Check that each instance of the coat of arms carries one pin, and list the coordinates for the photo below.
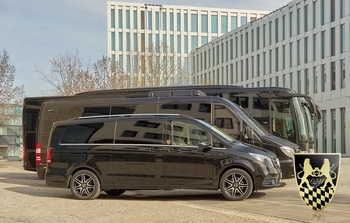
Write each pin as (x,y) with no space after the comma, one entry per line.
(316,175)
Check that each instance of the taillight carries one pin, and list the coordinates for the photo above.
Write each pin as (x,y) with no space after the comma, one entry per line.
(48,156)
(37,153)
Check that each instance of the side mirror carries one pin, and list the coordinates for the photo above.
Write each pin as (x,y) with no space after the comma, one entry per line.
(204,145)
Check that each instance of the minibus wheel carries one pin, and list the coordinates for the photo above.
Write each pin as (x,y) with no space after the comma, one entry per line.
(85,185)
(115,192)
(236,184)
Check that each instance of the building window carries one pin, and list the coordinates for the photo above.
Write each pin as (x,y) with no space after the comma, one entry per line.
(270,61)
(314,46)
(342,129)
(113,41)
(135,42)
(214,24)
(270,33)
(135,19)
(276,59)
(306,49)
(323,78)
(298,21)
(306,19)
(204,23)
(264,35)
(224,24)
(276,30)
(171,21)
(233,22)
(247,69)
(204,40)
(194,42)
(186,44)
(178,21)
(120,40)
(185,22)
(315,80)
(333,41)
(334,131)
(284,80)
(324,130)
(291,80)
(298,52)
(246,42)
(284,27)
(333,76)
(243,19)
(323,44)
(120,18)
(290,24)
(178,43)
(194,22)
(332,10)
(314,15)
(112,18)
(299,81)
(342,8)
(342,38)
(164,20)
(231,49)
(342,67)
(290,55)
(258,38)
(284,57)
(306,83)
(128,41)
(258,65)
(322,12)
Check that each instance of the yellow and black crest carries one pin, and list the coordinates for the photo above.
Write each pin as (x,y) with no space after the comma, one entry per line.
(316,175)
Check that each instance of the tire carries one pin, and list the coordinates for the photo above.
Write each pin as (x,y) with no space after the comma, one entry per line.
(115,192)
(85,185)
(236,184)
(40,172)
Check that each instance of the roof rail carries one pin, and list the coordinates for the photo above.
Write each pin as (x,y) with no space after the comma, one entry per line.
(172,93)
(126,115)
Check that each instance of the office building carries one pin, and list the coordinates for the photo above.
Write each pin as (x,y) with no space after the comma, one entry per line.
(304,46)
(135,29)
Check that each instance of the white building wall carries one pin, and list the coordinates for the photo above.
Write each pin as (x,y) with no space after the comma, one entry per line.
(120,54)
(288,48)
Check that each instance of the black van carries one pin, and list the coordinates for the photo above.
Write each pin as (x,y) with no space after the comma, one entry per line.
(154,151)
(220,112)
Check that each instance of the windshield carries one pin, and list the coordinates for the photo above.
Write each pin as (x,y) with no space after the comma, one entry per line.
(218,131)
(250,120)
(300,116)
(282,123)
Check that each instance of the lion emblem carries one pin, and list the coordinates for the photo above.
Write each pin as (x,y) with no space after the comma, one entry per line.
(322,176)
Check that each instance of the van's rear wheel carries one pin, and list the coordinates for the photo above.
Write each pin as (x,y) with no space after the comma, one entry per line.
(85,185)
(115,192)
(236,184)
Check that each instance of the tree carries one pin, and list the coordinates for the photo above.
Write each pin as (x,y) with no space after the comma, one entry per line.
(68,75)
(158,65)
(10,95)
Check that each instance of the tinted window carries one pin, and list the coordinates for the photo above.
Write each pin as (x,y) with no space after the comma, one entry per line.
(187,134)
(140,132)
(261,103)
(31,117)
(242,101)
(177,106)
(89,133)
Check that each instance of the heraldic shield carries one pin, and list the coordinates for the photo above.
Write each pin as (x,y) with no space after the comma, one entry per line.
(316,175)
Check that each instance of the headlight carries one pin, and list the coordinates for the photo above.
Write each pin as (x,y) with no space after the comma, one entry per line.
(261,158)
(288,151)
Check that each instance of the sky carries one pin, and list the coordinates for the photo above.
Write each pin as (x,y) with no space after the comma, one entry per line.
(36,31)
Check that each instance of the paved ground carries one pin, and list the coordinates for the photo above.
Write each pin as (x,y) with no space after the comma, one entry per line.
(24,198)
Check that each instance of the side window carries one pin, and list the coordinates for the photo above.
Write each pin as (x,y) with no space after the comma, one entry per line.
(89,133)
(184,133)
(140,132)
(226,120)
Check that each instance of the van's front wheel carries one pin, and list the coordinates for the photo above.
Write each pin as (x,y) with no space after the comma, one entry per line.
(236,184)
(85,185)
